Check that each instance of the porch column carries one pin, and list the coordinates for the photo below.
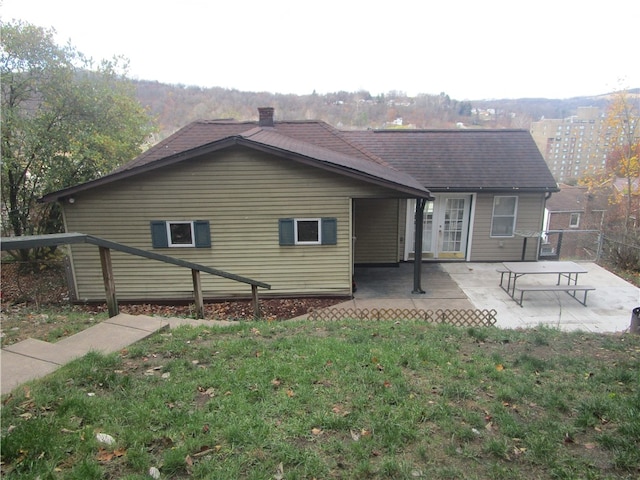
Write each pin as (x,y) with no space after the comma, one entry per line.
(417,260)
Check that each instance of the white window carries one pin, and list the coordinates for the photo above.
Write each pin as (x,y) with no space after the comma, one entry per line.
(307,231)
(574,220)
(180,234)
(503,220)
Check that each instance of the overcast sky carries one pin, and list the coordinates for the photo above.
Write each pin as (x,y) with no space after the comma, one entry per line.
(468,49)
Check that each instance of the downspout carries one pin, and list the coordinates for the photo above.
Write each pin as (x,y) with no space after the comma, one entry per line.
(417,261)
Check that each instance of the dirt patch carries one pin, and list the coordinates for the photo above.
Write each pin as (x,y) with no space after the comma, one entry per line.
(34,304)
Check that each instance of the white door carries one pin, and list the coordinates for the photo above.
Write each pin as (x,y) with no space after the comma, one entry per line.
(445,227)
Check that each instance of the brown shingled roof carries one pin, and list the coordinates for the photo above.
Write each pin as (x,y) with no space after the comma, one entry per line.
(311,142)
(462,160)
(576,199)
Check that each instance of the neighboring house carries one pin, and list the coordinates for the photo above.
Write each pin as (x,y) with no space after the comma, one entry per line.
(574,212)
(297,203)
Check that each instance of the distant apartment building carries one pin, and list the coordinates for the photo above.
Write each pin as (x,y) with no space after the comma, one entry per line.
(573,146)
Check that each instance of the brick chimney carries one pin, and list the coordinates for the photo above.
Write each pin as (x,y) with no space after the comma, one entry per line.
(265,116)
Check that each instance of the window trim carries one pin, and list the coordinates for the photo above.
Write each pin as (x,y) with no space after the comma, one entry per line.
(170,243)
(575,224)
(295,231)
(514,215)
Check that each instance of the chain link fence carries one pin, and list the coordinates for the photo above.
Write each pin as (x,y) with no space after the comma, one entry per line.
(571,245)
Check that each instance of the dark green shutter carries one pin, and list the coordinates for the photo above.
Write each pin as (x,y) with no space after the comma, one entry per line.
(329,231)
(159,234)
(286,231)
(202,233)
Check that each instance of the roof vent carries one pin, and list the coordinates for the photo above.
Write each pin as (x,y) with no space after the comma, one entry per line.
(265,116)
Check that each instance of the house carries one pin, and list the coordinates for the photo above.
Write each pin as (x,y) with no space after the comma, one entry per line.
(297,203)
(572,217)
(489,189)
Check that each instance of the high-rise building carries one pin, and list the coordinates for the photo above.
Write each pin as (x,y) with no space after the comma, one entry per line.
(575,145)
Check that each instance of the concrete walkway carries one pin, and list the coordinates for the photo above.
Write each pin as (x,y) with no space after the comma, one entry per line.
(31,359)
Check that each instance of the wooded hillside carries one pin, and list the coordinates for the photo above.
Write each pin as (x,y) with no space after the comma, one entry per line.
(174,106)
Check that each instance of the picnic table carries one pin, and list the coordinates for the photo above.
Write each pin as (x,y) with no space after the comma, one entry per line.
(568,270)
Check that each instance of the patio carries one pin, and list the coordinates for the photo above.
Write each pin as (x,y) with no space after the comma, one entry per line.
(477,285)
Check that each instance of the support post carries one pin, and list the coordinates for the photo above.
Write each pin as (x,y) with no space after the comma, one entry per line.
(559,243)
(255,302)
(417,261)
(197,293)
(109,282)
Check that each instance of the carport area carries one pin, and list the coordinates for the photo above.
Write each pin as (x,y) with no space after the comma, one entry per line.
(477,286)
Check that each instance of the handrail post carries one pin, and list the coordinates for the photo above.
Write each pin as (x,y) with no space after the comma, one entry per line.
(256,303)
(197,293)
(109,282)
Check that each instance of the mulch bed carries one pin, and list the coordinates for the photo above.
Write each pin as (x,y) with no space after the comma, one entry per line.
(47,286)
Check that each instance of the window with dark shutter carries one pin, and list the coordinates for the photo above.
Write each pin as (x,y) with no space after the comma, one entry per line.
(169,234)
(308,231)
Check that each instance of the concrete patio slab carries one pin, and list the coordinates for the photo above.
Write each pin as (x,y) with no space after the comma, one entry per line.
(608,307)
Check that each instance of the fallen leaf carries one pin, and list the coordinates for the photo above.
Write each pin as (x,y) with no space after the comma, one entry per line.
(104,455)
(276,382)
(316,431)
(589,446)
(291,393)
(499,367)
(188,460)
(355,435)
(154,473)
(387,384)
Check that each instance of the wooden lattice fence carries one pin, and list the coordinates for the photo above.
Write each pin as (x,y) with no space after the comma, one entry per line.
(457,317)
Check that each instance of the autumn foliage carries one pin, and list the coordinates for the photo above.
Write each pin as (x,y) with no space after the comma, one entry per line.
(619,180)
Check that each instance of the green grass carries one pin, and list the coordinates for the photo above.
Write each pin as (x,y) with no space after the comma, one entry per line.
(349,399)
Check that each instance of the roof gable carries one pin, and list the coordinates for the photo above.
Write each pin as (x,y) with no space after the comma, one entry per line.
(313,143)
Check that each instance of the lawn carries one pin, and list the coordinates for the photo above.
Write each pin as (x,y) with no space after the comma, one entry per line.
(349,399)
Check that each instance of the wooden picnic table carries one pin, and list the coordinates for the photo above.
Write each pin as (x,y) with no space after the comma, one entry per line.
(568,270)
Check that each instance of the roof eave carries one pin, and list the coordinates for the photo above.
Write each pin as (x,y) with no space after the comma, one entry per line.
(544,189)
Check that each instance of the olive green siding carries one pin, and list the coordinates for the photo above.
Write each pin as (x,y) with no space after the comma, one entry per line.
(376,231)
(529,215)
(402,230)
(243,194)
